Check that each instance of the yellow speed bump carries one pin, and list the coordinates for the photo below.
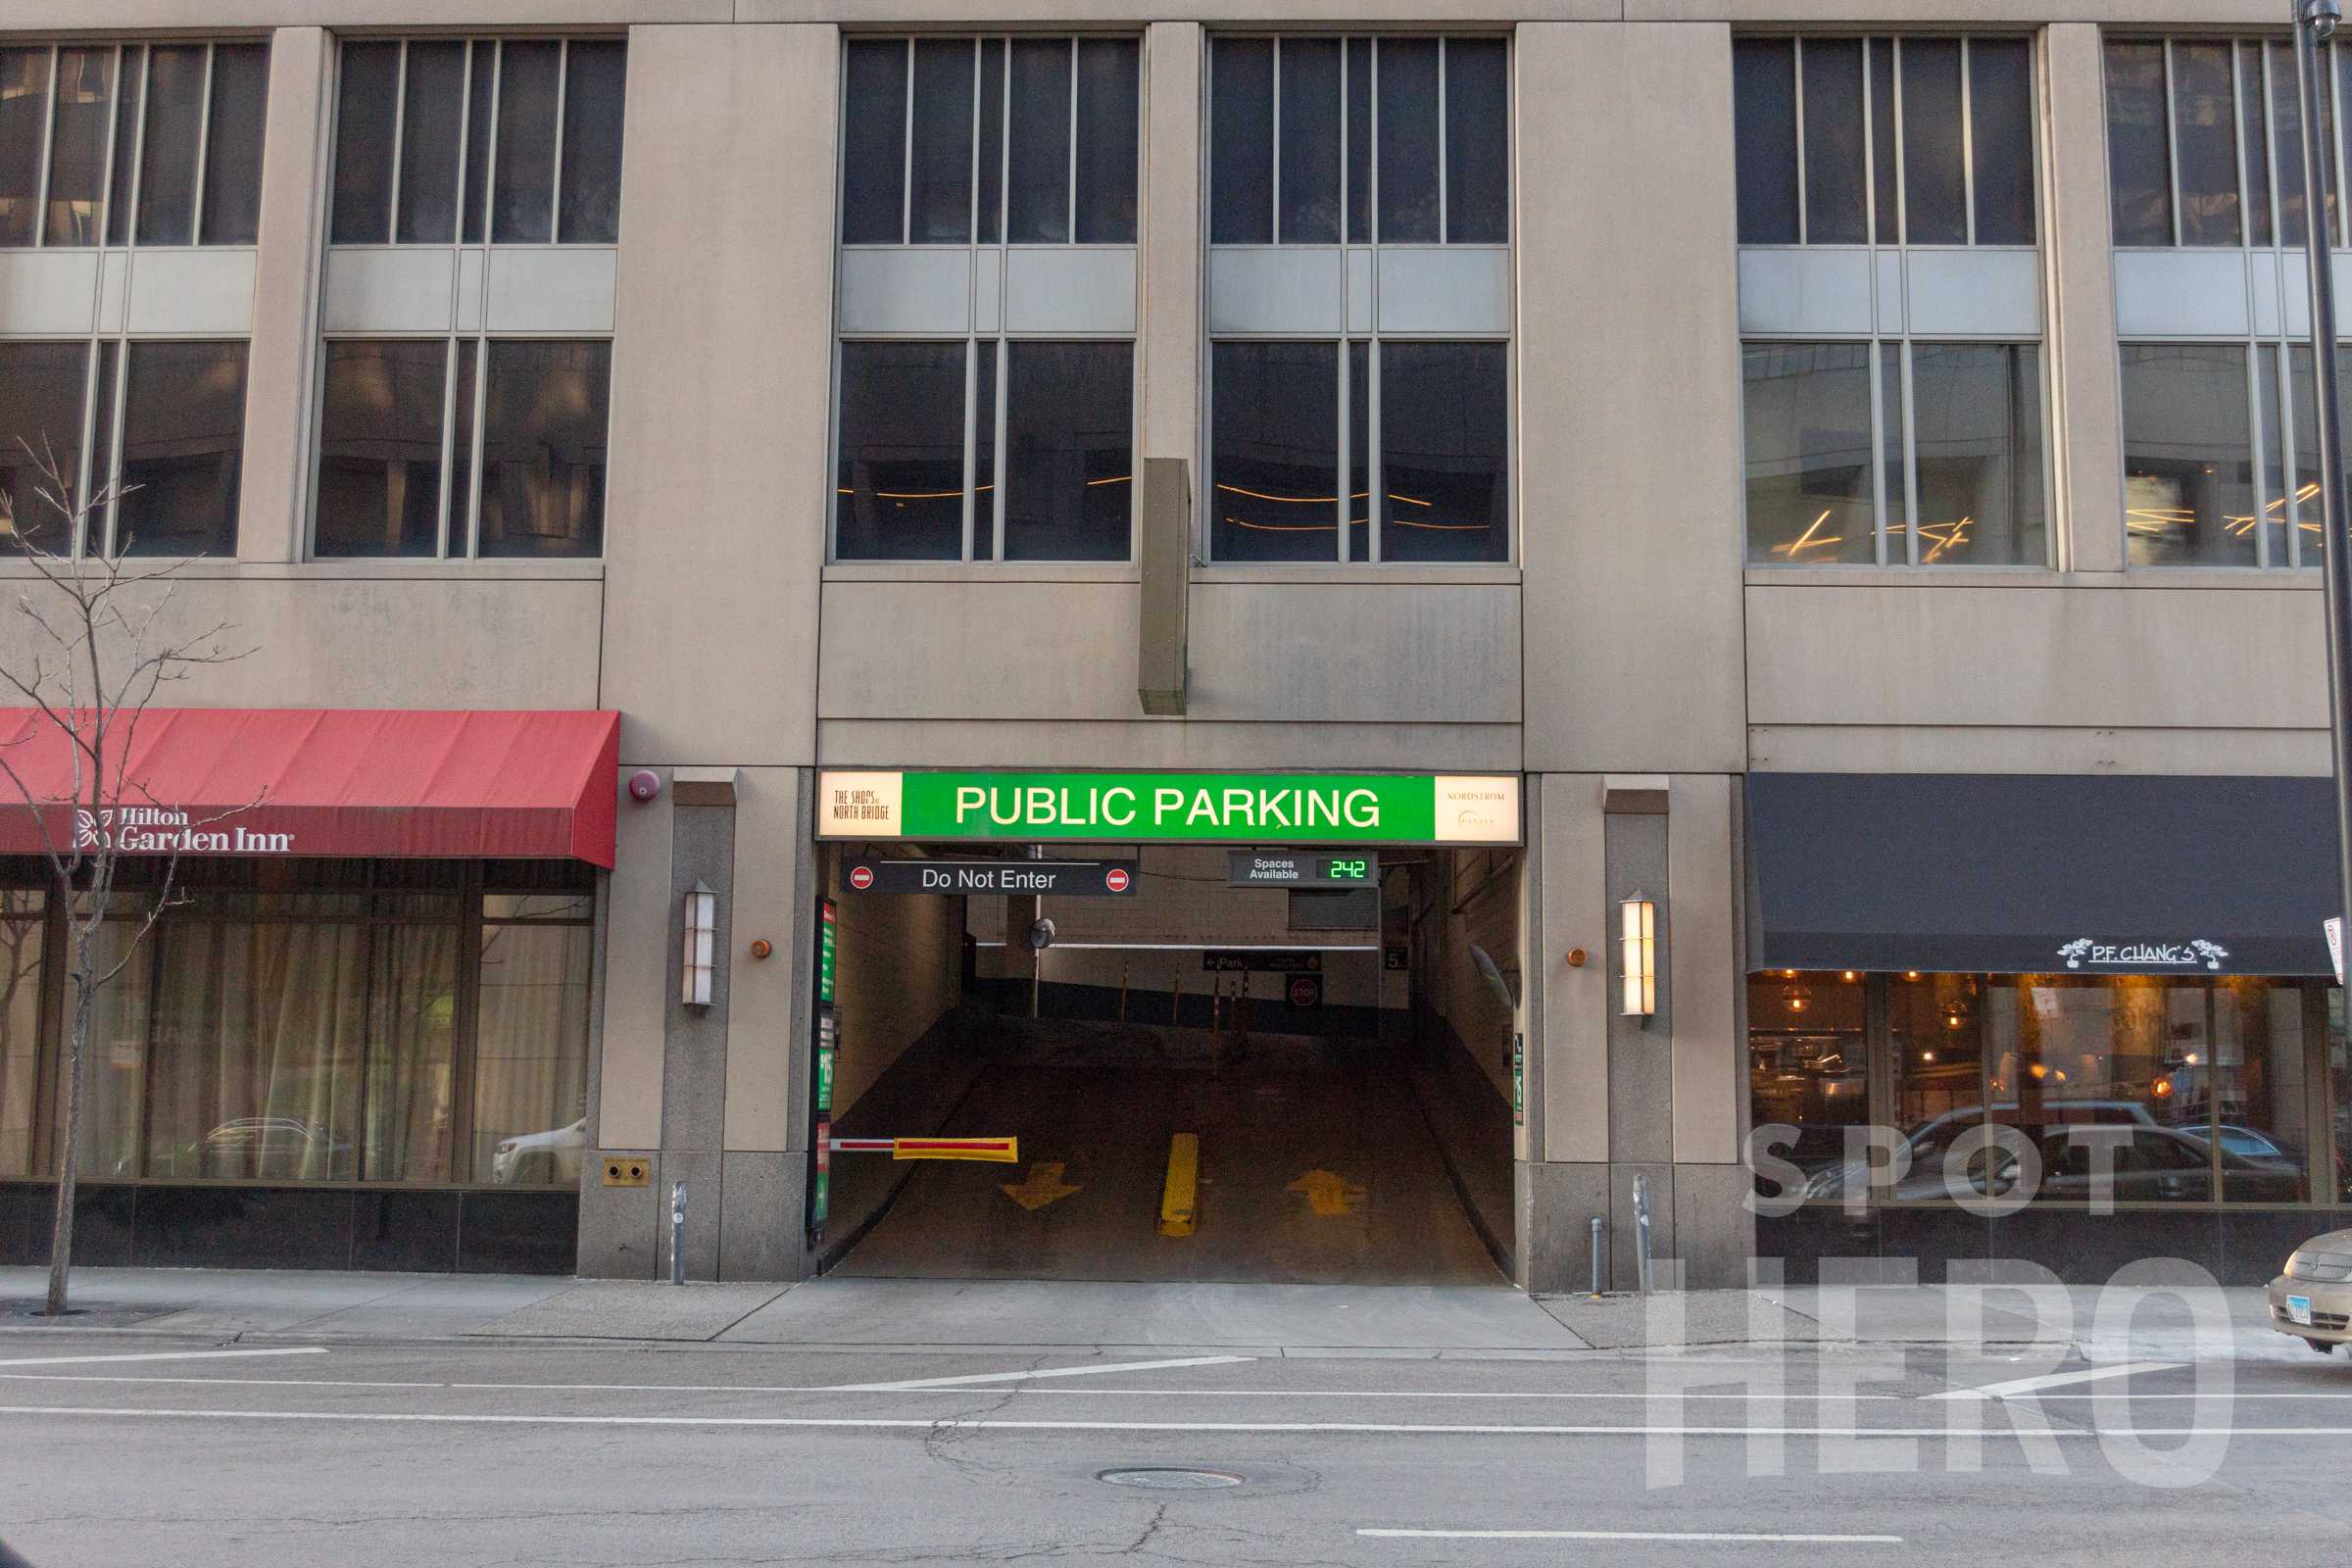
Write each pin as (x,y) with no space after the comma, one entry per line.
(1180,1199)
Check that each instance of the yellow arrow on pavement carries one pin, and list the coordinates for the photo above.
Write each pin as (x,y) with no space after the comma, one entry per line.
(1043,1186)
(1328,1191)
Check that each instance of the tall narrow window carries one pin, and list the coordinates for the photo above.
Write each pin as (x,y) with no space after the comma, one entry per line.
(1385,442)
(481,442)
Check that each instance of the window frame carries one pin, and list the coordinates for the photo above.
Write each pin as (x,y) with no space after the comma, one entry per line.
(971,556)
(126,51)
(1375,558)
(978,39)
(470,885)
(1375,471)
(1881,520)
(449,547)
(2294,526)
(1867,36)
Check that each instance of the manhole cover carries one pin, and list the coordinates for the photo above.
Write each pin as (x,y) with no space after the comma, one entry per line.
(1171,1480)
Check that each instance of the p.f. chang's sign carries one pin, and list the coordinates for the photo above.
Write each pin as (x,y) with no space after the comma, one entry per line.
(161,830)
(2141,958)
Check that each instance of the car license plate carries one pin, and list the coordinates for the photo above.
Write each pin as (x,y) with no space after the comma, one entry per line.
(2298,1309)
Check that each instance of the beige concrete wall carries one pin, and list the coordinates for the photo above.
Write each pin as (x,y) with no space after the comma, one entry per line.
(1704,970)
(1285,652)
(1168,231)
(637,977)
(311,640)
(715,526)
(2087,405)
(1576,1001)
(1168,744)
(2145,655)
(761,1053)
(273,496)
(1629,387)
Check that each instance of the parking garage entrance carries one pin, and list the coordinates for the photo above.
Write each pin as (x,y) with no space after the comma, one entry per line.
(1288,1062)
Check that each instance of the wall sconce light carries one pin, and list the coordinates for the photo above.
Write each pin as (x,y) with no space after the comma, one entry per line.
(1637,944)
(702,946)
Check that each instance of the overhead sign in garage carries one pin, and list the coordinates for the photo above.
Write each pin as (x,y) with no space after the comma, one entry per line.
(1172,808)
(1064,879)
(1261,960)
(1300,868)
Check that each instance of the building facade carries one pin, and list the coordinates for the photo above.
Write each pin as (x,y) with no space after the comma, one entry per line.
(916,423)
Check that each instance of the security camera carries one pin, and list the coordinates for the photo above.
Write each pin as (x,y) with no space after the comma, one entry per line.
(1041,936)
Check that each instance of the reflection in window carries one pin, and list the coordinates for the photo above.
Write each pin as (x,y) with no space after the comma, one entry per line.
(545,411)
(183,442)
(2217,158)
(20,930)
(44,397)
(312,1033)
(380,448)
(2129,1089)
(1957,479)
(186,117)
(1064,451)
(2188,462)
(1444,418)
(1963,139)
(1274,452)
(1809,454)
(424,108)
(1068,450)
(1428,432)
(899,494)
(1435,168)
(908,108)
(1807,1061)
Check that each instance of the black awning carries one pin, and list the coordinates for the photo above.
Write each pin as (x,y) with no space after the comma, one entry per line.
(2039,875)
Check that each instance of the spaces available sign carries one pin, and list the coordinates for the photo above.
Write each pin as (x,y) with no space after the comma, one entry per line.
(1172,808)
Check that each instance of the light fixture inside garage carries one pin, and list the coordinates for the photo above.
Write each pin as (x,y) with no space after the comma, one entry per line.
(1638,945)
(700,969)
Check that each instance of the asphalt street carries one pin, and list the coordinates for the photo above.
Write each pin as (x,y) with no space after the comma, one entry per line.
(191,1452)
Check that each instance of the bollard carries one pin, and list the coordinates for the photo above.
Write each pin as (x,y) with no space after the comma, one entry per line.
(677,1232)
(1596,1228)
(1642,1227)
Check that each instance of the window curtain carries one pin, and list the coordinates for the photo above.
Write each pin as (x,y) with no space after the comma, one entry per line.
(257,1044)
(532,1053)
(20,1027)
(412,1052)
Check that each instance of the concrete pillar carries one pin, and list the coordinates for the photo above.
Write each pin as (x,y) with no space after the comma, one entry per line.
(620,1225)
(1168,240)
(274,499)
(2085,407)
(765,1164)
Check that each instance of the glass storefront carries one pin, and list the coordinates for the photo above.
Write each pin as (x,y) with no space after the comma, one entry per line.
(413,1022)
(2123,1089)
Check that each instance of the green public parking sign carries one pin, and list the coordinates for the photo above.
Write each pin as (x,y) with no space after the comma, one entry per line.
(1172,808)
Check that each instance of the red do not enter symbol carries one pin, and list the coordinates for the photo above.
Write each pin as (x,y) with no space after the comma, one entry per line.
(1116,879)
(862,877)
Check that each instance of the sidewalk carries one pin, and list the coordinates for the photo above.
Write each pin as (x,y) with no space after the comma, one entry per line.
(839,1312)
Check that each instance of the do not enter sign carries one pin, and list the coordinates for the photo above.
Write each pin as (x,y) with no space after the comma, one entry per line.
(1115,879)
(1306,990)
(862,877)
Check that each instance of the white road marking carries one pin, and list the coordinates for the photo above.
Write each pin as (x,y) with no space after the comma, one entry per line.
(2002,1391)
(907,1384)
(1628,1535)
(158,1355)
(889,1388)
(993,1424)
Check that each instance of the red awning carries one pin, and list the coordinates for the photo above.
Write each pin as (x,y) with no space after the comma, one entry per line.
(464,785)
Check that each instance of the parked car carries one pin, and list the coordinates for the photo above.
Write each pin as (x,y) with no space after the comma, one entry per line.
(1927,1145)
(559,1148)
(264,1147)
(2312,1300)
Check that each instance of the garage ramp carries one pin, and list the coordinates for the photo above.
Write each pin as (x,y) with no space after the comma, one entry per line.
(1315,1167)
